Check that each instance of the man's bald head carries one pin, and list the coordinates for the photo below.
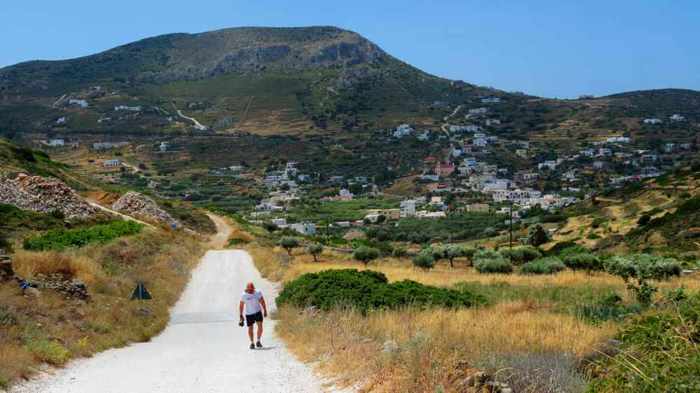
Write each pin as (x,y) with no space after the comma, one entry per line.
(250,287)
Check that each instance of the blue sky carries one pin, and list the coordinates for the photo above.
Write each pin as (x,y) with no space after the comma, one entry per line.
(550,48)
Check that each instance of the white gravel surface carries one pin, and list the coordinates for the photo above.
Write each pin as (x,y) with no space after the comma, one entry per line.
(203,350)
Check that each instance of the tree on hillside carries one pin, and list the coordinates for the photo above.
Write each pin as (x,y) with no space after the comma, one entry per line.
(537,236)
(315,250)
(438,252)
(289,243)
(424,260)
(366,254)
(453,252)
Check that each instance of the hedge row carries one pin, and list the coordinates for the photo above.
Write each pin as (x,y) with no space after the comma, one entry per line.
(59,239)
(368,290)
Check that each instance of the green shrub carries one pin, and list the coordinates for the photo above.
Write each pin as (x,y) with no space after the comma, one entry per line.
(51,352)
(366,254)
(59,239)
(659,353)
(598,221)
(587,262)
(368,290)
(520,255)
(549,265)
(609,307)
(639,270)
(491,262)
(570,249)
(424,260)
(399,252)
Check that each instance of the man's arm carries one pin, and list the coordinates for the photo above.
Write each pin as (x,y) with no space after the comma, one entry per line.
(240,308)
(264,306)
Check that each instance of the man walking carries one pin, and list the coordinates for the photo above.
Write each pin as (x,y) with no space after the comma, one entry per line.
(255,309)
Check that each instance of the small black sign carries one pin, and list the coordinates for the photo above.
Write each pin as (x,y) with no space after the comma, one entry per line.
(141,293)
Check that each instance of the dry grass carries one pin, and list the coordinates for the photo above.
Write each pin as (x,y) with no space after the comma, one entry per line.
(28,264)
(401,269)
(54,329)
(437,347)
(429,344)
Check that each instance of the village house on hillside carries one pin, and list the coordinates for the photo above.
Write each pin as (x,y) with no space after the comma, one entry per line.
(444,169)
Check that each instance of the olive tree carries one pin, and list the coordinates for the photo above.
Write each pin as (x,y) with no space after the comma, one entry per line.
(289,243)
(315,250)
(366,254)
(638,272)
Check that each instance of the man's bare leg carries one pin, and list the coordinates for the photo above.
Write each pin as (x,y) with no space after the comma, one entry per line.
(250,333)
(260,329)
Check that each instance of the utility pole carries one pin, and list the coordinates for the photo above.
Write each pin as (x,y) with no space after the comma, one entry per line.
(510,241)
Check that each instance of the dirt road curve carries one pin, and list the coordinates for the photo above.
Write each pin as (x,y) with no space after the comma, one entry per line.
(203,350)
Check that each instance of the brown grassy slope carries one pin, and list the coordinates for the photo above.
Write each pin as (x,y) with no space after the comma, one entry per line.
(53,329)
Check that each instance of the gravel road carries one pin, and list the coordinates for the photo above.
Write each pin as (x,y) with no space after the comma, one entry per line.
(203,350)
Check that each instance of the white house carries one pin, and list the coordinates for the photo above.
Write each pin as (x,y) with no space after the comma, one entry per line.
(549,164)
(127,108)
(490,100)
(403,130)
(618,139)
(480,142)
(652,121)
(61,120)
(587,152)
(56,142)
(604,152)
(163,147)
(467,128)
(408,208)
(677,117)
(492,122)
(112,163)
(424,136)
(478,111)
(279,221)
(81,103)
(304,228)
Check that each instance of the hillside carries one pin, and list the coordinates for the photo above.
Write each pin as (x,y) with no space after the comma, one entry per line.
(661,215)
(241,78)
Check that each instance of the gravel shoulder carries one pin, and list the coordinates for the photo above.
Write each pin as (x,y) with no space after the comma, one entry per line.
(202,350)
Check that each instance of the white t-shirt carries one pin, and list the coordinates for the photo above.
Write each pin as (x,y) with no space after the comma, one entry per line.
(252,302)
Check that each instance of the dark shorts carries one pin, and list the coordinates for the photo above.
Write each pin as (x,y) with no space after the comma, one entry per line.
(252,318)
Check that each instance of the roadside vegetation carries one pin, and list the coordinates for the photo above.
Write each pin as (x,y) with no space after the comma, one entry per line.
(544,317)
(53,328)
(59,239)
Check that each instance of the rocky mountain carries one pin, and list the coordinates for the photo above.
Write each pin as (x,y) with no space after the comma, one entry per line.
(242,78)
(270,81)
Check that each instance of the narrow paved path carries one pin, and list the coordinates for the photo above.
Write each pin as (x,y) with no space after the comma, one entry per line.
(203,350)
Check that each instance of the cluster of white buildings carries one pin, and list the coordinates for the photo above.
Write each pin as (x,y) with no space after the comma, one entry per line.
(127,108)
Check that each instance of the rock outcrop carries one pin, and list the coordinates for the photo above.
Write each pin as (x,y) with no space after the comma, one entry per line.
(140,206)
(72,288)
(45,195)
